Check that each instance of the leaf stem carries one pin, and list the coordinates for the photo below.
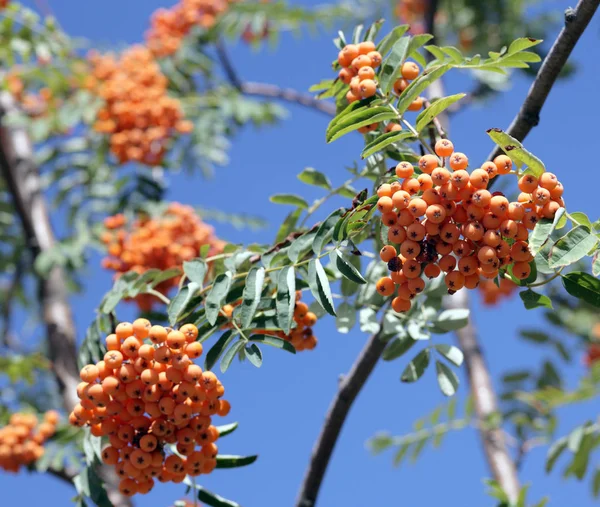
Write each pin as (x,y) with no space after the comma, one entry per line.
(160,296)
(547,280)
(319,202)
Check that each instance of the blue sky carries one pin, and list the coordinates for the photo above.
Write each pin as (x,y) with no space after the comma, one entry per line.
(281,406)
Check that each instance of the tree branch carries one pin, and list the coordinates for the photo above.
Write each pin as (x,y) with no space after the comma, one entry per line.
(349,387)
(288,95)
(23,182)
(576,21)
(270,91)
(498,458)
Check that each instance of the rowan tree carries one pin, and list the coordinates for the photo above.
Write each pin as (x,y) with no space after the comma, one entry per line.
(90,140)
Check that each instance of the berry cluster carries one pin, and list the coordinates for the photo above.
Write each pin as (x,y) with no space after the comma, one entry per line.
(446,220)
(492,294)
(22,439)
(138,115)
(168,27)
(33,104)
(161,243)
(358,62)
(145,394)
(301,336)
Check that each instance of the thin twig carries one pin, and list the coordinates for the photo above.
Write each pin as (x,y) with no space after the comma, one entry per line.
(8,300)
(576,21)
(288,95)
(348,389)
(227,65)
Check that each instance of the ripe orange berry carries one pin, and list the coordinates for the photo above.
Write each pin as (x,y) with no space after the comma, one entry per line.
(444,148)
(367,88)
(363,73)
(427,163)
(458,161)
(503,164)
(387,253)
(400,85)
(416,105)
(375,58)
(385,286)
(404,170)
(410,70)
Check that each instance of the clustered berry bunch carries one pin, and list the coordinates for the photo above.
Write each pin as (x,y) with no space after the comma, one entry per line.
(169,26)
(22,439)
(358,62)
(492,293)
(301,336)
(33,104)
(146,394)
(446,220)
(157,243)
(138,115)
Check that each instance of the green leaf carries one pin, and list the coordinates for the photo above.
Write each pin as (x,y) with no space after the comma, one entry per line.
(212,356)
(301,245)
(596,264)
(286,297)
(218,292)
(391,64)
(542,231)
(359,118)
(384,140)
(319,285)
(227,429)
(455,55)
(415,369)
(288,224)
(389,40)
(293,200)
(447,379)
(251,295)
(180,301)
(521,44)
(532,299)
(398,347)
(414,89)
(325,231)
(451,353)
(229,461)
(254,354)
(572,246)
(273,341)
(230,354)
(435,109)
(517,153)
(583,286)
(345,318)
(196,270)
(451,320)
(213,500)
(580,219)
(311,176)
(575,438)
(535,336)
(596,483)
(346,268)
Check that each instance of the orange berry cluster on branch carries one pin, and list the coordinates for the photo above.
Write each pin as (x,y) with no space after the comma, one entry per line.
(301,337)
(22,439)
(358,62)
(157,243)
(168,27)
(145,394)
(445,220)
(492,294)
(34,104)
(138,115)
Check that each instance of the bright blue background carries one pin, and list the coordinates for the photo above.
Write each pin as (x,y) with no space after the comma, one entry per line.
(281,406)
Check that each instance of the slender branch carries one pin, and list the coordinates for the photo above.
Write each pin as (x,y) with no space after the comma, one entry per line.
(576,21)
(268,90)
(9,296)
(494,442)
(349,387)
(23,182)
(288,95)
(227,65)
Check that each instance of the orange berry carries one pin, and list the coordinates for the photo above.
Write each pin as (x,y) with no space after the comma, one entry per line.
(410,70)
(427,163)
(404,170)
(444,148)
(416,105)
(458,161)
(387,253)
(385,286)
(503,164)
